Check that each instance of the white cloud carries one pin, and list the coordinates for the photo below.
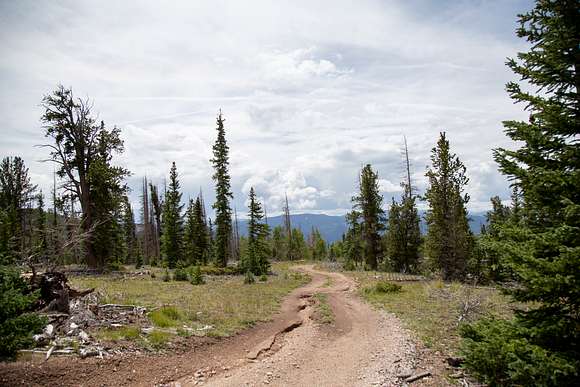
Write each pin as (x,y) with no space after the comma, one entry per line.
(311,90)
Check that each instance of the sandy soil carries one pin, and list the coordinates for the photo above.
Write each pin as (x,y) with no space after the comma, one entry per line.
(363,347)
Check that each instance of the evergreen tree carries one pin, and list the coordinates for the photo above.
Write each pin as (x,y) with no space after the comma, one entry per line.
(256,257)
(172,221)
(318,248)
(353,248)
(195,234)
(129,233)
(16,191)
(541,345)
(369,202)
(278,243)
(403,237)
(83,150)
(223,212)
(449,239)
(40,229)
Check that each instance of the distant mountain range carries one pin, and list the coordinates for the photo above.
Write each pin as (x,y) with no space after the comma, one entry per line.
(332,227)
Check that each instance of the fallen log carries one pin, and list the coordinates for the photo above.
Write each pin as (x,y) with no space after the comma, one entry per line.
(416,377)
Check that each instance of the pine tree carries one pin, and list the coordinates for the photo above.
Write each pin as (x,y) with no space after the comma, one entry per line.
(317,246)
(172,221)
(195,234)
(278,243)
(541,345)
(369,202)
(16,191)
(223,212)
(353,246)
(257,254)
(129,232)
(83,150)
(403,237)
(449,239)
(40,229)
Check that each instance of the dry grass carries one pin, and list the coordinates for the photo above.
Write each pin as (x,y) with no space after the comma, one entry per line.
(224,303)
(433,309)
(324,311)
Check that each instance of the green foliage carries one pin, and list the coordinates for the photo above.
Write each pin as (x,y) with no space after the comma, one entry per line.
(317,244)
(403,236)
(255,259)
(368,205)
(223,212)
(449,239)
(249,278)
(180,274)
(541,246)
(139,261)
(196,276)
(195,234)
(16,191)
(263,278)
(83,150)
(172,222)
(165,317)
(383,287)
(503,353)
(16,324)
(166,276)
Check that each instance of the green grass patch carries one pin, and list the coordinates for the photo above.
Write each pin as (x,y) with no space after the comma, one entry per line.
(434,310)
(129,333)
(325,315)
(223,302)
(165,317)
(383,287)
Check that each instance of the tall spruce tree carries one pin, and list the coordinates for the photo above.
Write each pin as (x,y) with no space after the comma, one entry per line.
(449,239)
(195,235)
(223,211)
(541,346)
(41,243)
(403,235)
(16,191)
(369,203)
(129,232)
(172,221)
(256,259)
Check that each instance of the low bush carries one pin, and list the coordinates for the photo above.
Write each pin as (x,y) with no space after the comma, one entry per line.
(249,278)
(16,323)
(180,274)
(166,276)
(502,353)
(165,317)
(263,278)
(383,287)
(196,276)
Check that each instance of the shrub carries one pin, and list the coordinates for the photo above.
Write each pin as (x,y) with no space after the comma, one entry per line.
(249,278)
(166,276)
(383,287)
(503,353)
(196,276)
(180,274)
(167,316)
(16,325)
(263,278)
(139,262)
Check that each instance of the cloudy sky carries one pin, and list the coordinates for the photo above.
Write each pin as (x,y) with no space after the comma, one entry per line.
(311,90)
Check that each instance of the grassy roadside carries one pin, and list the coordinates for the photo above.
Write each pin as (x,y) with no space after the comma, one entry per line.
(220,307)
(323,310)
(434,309)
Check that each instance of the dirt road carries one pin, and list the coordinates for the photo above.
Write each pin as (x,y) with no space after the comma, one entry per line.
(362,347)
